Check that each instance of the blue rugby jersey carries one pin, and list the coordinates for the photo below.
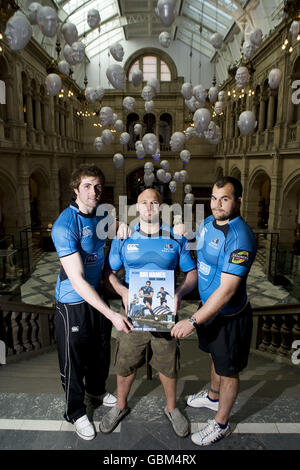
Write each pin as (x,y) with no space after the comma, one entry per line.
(229,248)
(142,251)
(74,232)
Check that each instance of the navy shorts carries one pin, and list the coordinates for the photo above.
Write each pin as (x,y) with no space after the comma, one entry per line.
(228,339)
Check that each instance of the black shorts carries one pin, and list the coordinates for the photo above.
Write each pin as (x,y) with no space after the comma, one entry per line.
(228,339)
(147,299)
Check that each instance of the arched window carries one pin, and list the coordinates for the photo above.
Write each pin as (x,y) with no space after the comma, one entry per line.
(152,67)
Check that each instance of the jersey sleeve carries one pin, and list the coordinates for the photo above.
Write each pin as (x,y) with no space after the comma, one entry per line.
(65,237)
(240,252)
(186,260)
(115,259)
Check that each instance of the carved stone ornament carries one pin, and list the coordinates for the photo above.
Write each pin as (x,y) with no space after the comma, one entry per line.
(116,76)
(48,21)
(118,160)
(247,123)
(93,18)
(166,11)
(18,31)
(164,39)
(117,51)
(53,84)
(70,33)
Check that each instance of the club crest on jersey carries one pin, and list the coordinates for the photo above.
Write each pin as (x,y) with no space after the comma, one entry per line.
(214,243)
(86,231)
(240,257)
(169,248)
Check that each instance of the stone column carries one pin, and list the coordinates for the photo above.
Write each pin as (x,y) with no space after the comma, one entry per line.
(29,117)
(262,111)
(271,110)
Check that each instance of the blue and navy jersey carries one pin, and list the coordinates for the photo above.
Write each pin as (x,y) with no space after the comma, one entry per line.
(147,291)
(229,248)
(163,295)
(142,251)
(74,232)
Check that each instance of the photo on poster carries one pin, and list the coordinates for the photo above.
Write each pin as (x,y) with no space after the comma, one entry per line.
(151,300)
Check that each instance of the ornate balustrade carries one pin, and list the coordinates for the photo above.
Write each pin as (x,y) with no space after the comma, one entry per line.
(25,328)
(277,327)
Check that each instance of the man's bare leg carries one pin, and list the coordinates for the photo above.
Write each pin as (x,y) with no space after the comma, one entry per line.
(169,386)
(123,388)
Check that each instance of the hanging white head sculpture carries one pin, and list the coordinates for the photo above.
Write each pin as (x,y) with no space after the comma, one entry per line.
(118,160)
(117,51)
(200,93)
(274,78)
(107,137)
(242,77)
(64,67)
(256,37)
(48,21)
(53,84)
(106,115)
(32,12)
(137,129)
(129,103)
(216,40)
(148,93)
(247,123)
(248,49)
(185,156)
(137,78)
(164,39)
(124,138)
(70,33)
(166,11)
(187,90)
(98,143)
(18,31)
(219,107)
(93,18)
(119,125)
(213,94)
(100,91)
(150,143)
(116,76)
(177,141)
(202,118)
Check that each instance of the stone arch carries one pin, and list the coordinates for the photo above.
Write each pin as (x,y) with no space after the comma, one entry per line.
(259,188)
(289,218)
(236,173)
(219,173)
(8,204)
(165,128)
(39,196)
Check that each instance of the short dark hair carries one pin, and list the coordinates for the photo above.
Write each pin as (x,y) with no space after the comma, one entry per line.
(148,282)
(85,169)
(237,185)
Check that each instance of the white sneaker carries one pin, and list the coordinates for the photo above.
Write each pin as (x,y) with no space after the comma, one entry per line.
(84,428)
(201,400)
(210,433)
(107,398)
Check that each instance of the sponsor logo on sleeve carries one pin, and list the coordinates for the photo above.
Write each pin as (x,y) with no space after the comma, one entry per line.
(240,257)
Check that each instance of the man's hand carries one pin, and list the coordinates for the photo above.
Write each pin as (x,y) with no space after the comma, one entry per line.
(121,323)
(123,231)
(182,329)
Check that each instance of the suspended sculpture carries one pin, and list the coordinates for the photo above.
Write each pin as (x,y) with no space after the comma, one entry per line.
(148,92)
(185,156)
(213,94)
(148,167)
(242,77)
(164,39)
(124,138)
(64,67)
(90,94)
(295,29)
(219,107)
(107,137)
(154,83)
(53,84)
(247,123)
(216,139)
(70,33)
(129,103)
(202,118)
(117,51)
(68,54)
(188,188)
(172,186)
(200,93)
(137,78)
(150,143)
(100,91)
(137,129)
(93,18)
(187,90)
(119,126)
(193,104)
(106,116)
(166,11)
(118,160)
(32,12)
(98,143)
(48,21)
(183,176)
(148,178)
(168,177)
(149,106)
(222,95)
(189,198)
(139,149)
(116,76)
(160,175)
(274,79)
(165,165)
(248,49)
(256,37)
(78,52)
(18,31)
(189,133)
(177,141)
(216,40)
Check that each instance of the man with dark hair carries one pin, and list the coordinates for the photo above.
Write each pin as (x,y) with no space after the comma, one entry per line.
(146,292)
(226,249)
(83,320)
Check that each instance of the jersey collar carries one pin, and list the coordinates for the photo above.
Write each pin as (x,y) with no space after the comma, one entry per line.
(75,206)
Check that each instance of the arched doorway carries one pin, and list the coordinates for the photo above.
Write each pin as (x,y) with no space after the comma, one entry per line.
(39,198)
(165,131)
(149,123)
(257,214)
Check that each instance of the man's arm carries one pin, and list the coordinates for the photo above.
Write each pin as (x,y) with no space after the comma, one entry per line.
(73,267)
(218,299)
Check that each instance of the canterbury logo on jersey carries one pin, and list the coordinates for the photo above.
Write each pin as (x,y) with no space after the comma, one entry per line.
(133,247)
(169,248)
(240,257)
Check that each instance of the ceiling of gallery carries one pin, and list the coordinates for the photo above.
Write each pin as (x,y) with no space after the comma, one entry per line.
(196,21)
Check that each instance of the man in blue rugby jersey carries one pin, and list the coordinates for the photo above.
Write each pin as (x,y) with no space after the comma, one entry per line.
(155,247)
(83,320)
(226,248)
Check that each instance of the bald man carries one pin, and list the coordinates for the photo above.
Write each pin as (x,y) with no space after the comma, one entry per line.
(150,238)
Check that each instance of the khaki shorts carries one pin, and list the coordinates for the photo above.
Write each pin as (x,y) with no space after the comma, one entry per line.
(131,351)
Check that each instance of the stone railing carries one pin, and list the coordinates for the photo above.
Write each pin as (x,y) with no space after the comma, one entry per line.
(25,329)
(276,329)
